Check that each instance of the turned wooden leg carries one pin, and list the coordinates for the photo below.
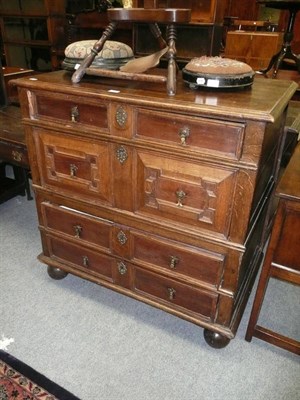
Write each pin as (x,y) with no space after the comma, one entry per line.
(78,74)
(56,273)
(215,339)
(156,32)
(172,66)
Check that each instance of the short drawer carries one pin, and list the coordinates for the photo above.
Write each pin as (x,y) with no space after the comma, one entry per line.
(14,154)
(71,165)
(71,110)
(82,227)
(176,294)
(196,134)
(79,257)
(187,261)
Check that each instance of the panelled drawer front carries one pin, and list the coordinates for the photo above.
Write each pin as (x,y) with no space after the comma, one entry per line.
(74,166)
(82,258)
(189,193)
(198,134)
(72,110)
(176,294)
(79,226)
(197,263)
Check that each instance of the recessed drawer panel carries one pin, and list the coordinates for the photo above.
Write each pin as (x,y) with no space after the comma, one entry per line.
(176,294)
(184,192)
(78,225)
(198,134)
(72,110)
(192,262)
(80,257)
(74,166)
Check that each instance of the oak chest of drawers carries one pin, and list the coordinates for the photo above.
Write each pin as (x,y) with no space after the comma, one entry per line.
(164,199)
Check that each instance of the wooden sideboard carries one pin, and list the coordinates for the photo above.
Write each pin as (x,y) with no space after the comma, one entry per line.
(164,199)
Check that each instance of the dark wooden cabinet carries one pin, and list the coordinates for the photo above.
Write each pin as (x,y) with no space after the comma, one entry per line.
(33,33)
(202,36)
(161,199)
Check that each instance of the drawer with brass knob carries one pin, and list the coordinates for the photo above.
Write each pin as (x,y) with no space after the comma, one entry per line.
(178,260)
(190,133)
(77,226)
(71,111)
(80,258)
(175,294)
(70,164)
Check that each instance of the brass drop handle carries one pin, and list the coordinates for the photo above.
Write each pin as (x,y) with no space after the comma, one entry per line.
(122,268)
(17,156)
(171,293)
(74,114)
(78,230)
(180,194)
(85,261)
(73,170)
(173,262)
(184,133)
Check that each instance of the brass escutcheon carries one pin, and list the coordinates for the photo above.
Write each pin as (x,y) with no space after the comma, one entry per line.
(121,154)
(121,116)
(122,238)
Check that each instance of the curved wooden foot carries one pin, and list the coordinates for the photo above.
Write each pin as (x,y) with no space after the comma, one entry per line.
(56,273)
(215,339)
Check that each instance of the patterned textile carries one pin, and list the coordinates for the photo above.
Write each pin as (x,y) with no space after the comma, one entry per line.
(18,381)
(112,56)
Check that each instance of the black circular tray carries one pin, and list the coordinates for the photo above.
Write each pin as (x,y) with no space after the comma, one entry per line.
(213,81)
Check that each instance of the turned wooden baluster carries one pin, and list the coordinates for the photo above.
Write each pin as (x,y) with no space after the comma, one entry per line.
(78,74)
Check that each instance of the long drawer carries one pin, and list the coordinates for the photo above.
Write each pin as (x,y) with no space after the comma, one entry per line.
(190,133)
(173,293)
(167,257)
(159,289)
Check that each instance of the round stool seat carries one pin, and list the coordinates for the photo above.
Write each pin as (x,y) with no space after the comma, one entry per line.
(112,56)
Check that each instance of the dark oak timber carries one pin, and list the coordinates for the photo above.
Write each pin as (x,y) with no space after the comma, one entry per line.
(282,259)
(164,199)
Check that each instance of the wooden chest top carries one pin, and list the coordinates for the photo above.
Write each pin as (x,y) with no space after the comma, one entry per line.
(264,101)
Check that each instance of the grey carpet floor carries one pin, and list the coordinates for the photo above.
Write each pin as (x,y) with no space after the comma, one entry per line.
(101,345)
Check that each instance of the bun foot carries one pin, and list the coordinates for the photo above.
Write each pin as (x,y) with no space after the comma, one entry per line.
(56,273)
(215,339)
